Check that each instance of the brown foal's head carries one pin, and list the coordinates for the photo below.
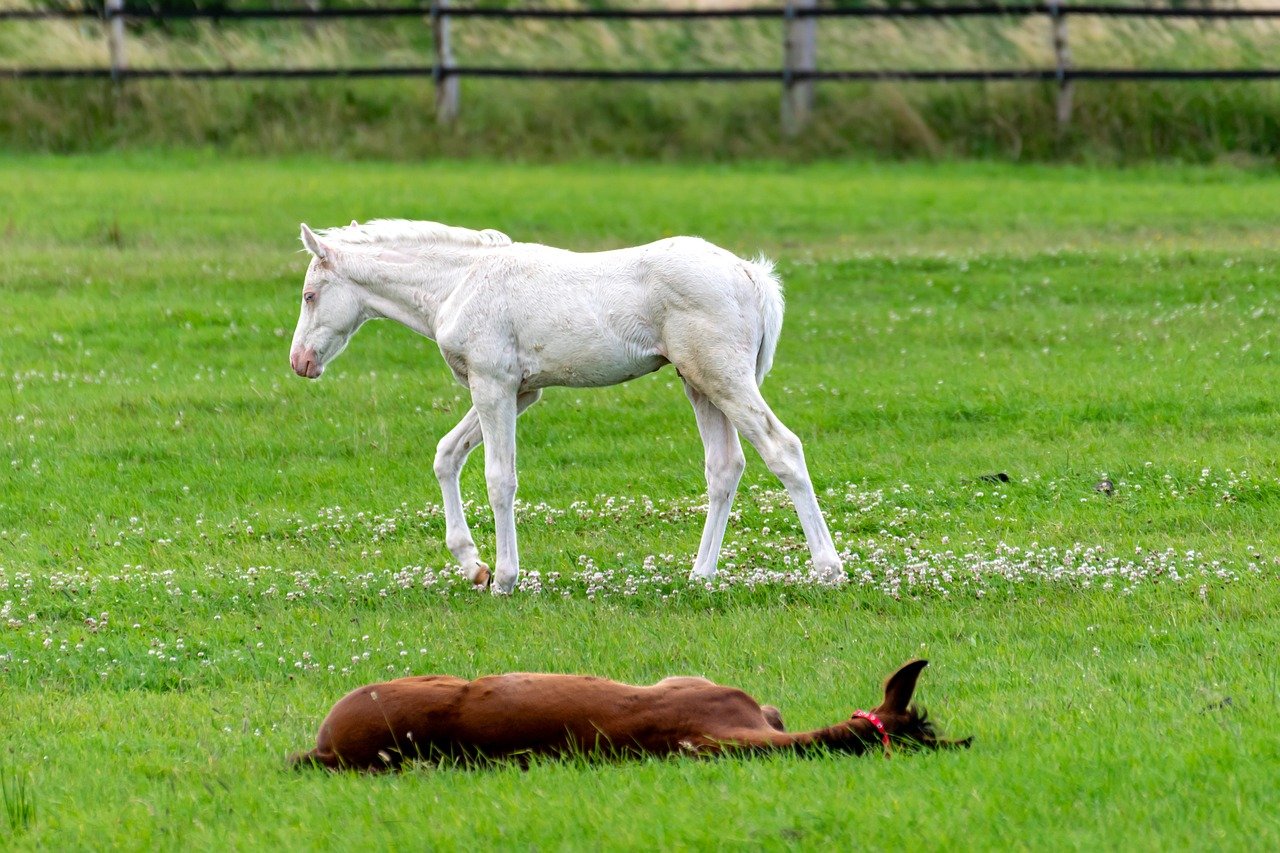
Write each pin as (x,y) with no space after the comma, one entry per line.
(907,723)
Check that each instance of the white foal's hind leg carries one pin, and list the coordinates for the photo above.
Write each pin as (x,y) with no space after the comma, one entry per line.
(497,407)
(724,465)
(783,453)
(451,455)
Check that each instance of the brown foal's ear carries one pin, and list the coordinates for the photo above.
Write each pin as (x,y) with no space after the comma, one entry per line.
(899,687)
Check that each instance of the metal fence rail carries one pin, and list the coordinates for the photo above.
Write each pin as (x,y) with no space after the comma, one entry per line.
(797,75)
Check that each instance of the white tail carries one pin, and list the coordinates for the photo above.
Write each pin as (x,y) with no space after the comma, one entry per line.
(771,309)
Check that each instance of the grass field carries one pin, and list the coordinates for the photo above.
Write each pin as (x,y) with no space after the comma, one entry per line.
(200,552)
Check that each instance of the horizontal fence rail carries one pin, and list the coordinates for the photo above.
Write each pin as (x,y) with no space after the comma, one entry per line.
(797,76)
(514,13)
(640,74)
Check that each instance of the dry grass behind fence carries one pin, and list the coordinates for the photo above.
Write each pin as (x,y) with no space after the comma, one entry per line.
(717,120)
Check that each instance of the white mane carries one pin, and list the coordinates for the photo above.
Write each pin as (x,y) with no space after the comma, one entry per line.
(410,234)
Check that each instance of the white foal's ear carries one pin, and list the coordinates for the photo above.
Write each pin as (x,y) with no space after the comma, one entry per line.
(355,224)
(313,244)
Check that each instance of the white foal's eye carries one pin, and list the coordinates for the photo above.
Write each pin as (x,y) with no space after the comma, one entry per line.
(308,297)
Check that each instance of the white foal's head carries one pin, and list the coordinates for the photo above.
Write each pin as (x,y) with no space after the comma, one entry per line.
(332,310)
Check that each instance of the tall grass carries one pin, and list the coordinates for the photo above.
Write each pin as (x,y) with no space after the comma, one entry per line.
(542,120)
(19,800)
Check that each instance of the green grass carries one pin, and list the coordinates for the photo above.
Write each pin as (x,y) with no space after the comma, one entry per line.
(200,552)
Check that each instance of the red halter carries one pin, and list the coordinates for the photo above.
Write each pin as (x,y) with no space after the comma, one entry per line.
(875,721)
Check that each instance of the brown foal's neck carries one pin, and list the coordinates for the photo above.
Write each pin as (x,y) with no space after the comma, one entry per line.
(854,735)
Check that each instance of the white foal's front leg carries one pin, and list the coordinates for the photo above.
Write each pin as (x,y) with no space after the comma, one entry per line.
(451,455)
(496,405)
(724,465)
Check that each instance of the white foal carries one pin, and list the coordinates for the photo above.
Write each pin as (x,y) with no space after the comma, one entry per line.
(514,318)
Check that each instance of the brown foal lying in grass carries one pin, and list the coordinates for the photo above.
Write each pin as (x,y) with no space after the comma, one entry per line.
(379,726)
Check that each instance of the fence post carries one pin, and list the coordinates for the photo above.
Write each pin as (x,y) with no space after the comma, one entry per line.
(1062,64)
(311,6)
(446,83)
(115,39)
(800,54)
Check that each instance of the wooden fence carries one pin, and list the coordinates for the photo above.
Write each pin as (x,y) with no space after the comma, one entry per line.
(798,75)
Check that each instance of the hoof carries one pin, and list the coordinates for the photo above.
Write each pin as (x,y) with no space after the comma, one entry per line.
(504,585)
(831,575)
(482,578)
